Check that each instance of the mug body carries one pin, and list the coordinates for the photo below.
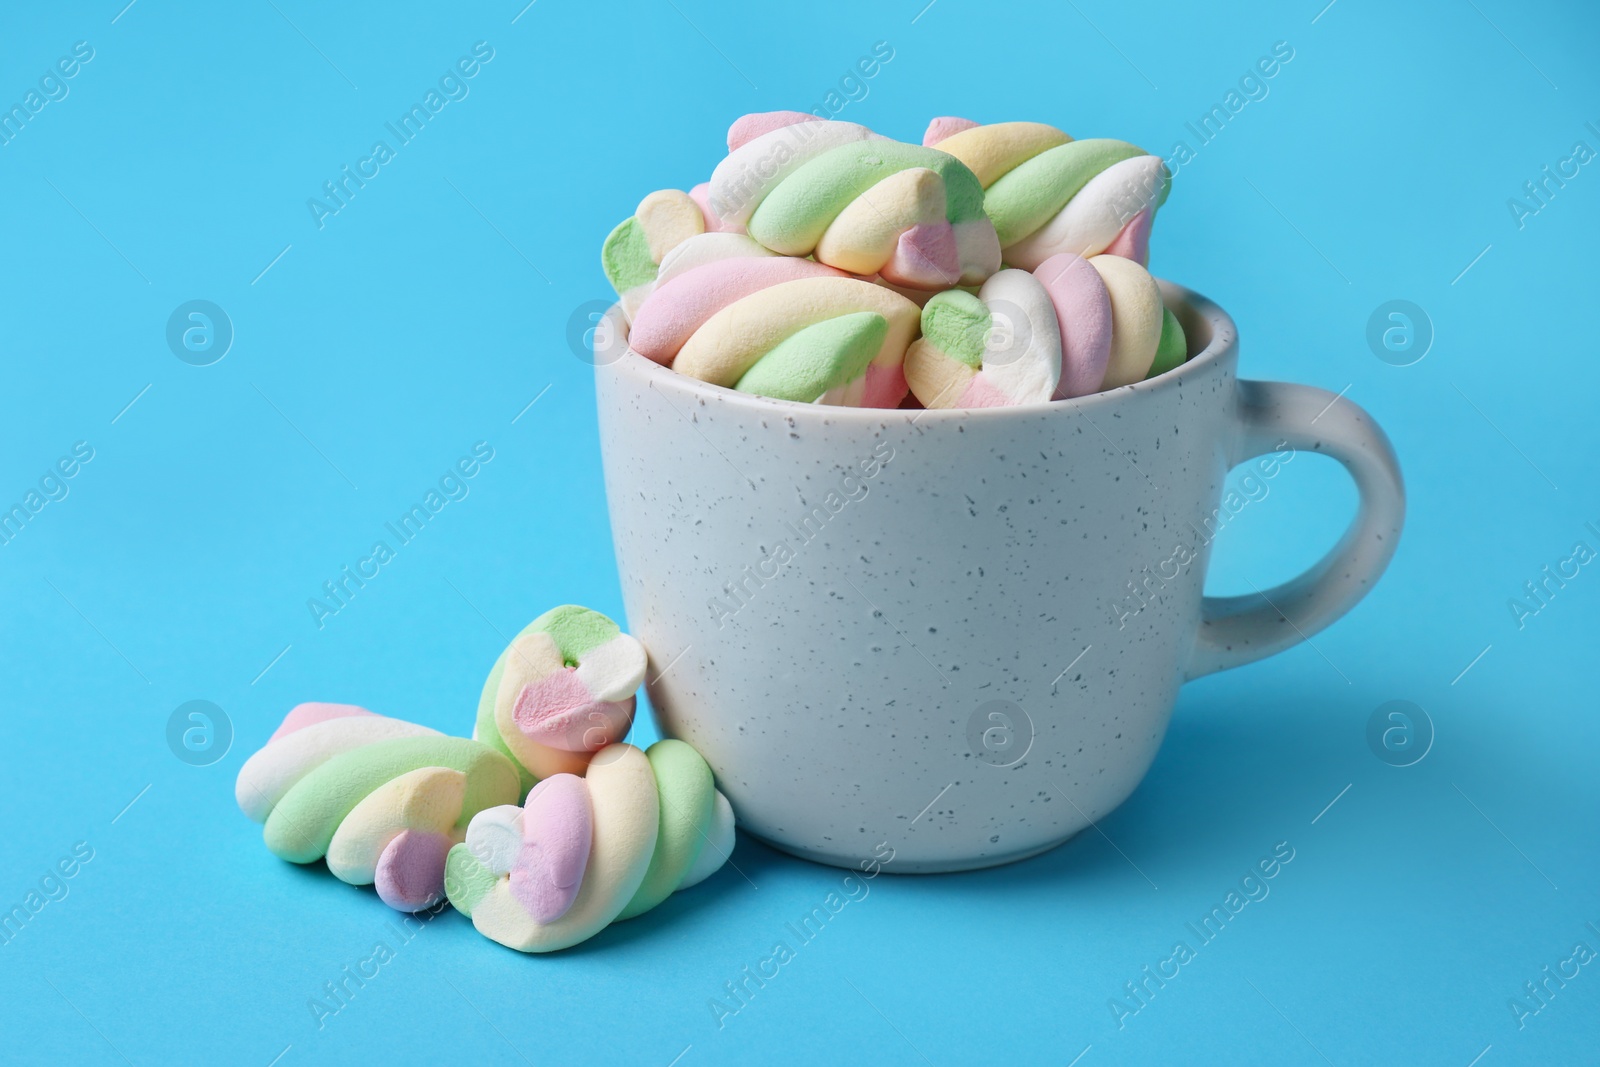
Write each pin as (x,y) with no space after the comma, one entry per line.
(959,632)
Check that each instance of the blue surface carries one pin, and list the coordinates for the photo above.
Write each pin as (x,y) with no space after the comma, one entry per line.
(426,314)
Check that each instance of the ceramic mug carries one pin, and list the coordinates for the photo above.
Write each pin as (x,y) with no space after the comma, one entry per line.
(961,632)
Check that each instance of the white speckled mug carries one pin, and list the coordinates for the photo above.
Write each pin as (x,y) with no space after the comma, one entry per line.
(961,632)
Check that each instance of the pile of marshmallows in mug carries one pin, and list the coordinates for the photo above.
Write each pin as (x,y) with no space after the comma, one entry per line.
(991,265)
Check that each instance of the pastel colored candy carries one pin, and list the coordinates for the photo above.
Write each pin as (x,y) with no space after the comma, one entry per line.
(495,837)
(808,264)
(865,237)
(882,386)
(303,715)
(1094,217)
(682,304)
(742,336)
(427,799)
(410,873)
(302,824)
(989,151)
(708,248)
(818,358)
(941,128)
(687,792)
(608,846)
(632,252)
(382,800)
(1136,319)
(1047,194)
(561,691)
(855,208)
(1172,349)
(758,164)
(558,829)
(1083,311)
(718,846)
(295,751)
(997,349)
(1072,327)
(701,195)
(1134,240)
(747,128)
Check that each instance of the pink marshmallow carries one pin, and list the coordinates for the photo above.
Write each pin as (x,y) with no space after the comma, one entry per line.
(885,386)
(410,872)
(980,394)
(557,832)
(671,314)
(1083,311)
(944,126)
(559,711)
(701,194)
(747,128)
(304,715)
(925,257)
(1133,242)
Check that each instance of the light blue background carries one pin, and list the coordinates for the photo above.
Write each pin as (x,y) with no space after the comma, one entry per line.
(427,314)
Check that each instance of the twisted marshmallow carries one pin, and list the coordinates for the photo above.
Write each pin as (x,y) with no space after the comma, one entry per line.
(584,852)
(778,326)
(998,348)
(1070,328)
(632,253)
(382,800)
(1048,194)
(805,186)
(561,691)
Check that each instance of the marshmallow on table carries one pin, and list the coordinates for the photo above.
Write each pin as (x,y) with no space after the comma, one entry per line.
(382,800)
(584,852)
(1048,194)
(805,186)
(561,691)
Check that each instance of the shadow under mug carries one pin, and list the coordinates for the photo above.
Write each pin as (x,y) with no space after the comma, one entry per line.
(960,632)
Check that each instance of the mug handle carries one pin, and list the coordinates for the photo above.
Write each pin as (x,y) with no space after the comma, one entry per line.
(1235,630)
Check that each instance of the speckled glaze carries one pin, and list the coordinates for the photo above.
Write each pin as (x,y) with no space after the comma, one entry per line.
(842,690)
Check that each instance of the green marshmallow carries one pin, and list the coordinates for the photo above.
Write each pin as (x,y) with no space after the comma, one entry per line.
(1030,194)
(576,630)
(303,822)
(794,215)
(1172,349)
(820,357)
(687,791)
(957,323)
(487,731)
(625,257)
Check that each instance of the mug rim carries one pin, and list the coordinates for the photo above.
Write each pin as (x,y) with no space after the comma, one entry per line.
(1191,308)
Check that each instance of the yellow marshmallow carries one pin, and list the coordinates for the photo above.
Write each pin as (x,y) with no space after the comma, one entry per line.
(1136,313)
(990,151)
(669,218)
(933,374)
(863,236)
